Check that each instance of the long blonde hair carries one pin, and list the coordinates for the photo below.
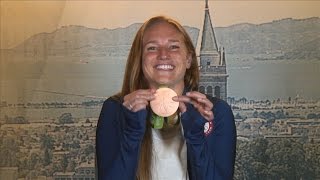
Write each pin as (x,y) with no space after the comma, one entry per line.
(134,79)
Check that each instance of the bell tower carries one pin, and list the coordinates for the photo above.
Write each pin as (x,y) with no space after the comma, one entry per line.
(213,73)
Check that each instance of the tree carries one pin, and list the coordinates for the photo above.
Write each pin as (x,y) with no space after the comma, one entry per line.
(8,152)
(33,160)
(17,120)
(46,157)
(72,165)
(280,115)
(47,142)
(64,163)
(257,158)
(66,118)
(89,150)
(311,116)
(238,116)
(287,156)
(275,159)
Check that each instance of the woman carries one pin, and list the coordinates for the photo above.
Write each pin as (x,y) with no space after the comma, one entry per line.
(127,146)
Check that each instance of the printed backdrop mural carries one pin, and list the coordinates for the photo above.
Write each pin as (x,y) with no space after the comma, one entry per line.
(61,59)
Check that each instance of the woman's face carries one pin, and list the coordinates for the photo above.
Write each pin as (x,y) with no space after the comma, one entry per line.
(165,57)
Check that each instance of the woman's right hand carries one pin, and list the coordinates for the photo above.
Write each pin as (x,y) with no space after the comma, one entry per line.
(139,99)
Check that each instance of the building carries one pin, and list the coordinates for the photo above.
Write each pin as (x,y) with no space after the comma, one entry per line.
(9,173)
(84,172)
(213,73)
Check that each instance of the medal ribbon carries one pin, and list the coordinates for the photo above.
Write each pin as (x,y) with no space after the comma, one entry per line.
(157,121)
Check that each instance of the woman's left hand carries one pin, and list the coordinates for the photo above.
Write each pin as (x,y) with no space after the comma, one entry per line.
(199,101)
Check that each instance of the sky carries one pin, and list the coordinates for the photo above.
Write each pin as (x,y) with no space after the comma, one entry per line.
(21,19)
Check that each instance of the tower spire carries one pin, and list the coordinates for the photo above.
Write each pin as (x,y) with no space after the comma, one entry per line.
(213,74)
(208,43)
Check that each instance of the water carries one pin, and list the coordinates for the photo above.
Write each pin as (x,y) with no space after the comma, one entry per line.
(68,79)
(63,80)
(274,79)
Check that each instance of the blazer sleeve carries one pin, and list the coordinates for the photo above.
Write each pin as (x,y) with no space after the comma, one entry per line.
(210,156)
(118,137)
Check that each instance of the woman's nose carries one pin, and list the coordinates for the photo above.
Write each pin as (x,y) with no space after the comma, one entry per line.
(163,54)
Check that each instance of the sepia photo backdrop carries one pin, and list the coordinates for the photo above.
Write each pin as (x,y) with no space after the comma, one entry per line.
(61,59)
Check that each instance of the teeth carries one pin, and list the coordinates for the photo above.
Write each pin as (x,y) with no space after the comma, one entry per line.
(165,67)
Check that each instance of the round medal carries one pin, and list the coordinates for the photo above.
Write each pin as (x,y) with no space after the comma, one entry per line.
(163,105)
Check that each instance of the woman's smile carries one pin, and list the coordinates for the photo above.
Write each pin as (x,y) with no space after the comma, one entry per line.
(165,67)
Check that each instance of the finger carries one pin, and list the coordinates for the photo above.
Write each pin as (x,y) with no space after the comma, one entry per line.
(140,93)
(146,91)
(208,118)
(208,115)
(184,99)
(207,104)
(138,107)
(205,111)
(200,98)
(181,98)
(128,105)
(195,94)
(182,107)
(144,94)
(147,97)
(138,104)
(140,101)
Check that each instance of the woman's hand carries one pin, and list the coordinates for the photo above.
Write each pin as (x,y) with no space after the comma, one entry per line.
(138,99)
(199,101)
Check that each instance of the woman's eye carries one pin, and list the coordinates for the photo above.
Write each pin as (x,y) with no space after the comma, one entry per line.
(151,48)
(174,47)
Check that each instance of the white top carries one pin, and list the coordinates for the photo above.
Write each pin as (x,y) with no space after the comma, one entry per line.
(169,159)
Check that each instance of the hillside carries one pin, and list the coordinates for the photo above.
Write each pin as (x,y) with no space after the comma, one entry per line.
(290,38)
(83,41)
(286,39)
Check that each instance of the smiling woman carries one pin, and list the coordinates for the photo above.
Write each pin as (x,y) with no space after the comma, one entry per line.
(131,144)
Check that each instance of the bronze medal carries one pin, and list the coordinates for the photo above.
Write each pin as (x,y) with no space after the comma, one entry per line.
(163,105)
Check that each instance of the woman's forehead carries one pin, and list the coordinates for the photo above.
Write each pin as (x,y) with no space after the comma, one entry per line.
(162,24)
(163,30)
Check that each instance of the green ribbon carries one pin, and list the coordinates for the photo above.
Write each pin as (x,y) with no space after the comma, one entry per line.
(157,121)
